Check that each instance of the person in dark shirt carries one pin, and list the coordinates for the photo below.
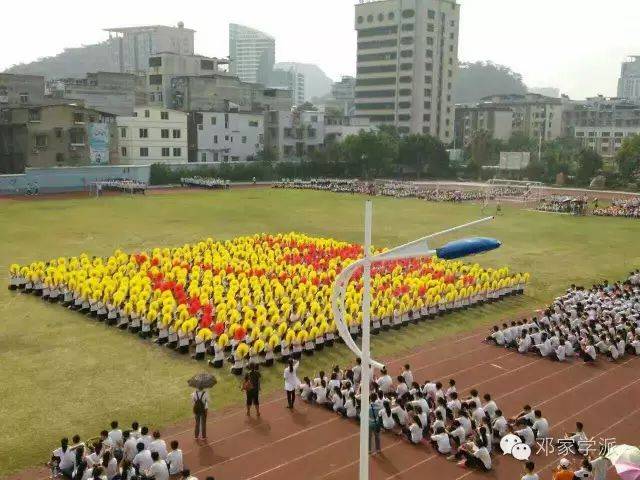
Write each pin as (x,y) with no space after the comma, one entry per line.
(252,389)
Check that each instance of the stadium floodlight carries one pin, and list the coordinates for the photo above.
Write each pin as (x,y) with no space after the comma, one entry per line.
(414,249)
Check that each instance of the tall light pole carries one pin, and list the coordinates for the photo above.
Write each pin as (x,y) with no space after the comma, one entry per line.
(416,248)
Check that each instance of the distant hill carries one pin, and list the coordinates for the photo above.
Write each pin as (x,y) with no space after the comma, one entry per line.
(481,79)
(72,62)
(317,83)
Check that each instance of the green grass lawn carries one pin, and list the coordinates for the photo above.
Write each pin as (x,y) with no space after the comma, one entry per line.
(62,374)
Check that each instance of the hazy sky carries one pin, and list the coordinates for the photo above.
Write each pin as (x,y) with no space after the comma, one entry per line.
(574,45)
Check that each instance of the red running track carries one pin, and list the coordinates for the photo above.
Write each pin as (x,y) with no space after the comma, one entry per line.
(311,442)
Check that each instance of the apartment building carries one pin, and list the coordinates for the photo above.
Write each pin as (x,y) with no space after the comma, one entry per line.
(294,134)
(629,81)
(407,62)
(228,136)
(495,119)
(56,134)
(605,140)
(20,90)
(252,53)
(153,135)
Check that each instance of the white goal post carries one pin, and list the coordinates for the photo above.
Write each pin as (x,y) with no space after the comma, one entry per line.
(522,191)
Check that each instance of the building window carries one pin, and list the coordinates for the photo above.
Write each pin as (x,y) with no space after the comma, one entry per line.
(206,64)
(429,53)
(391,16)
(408,13)
(360,19)
(24,98)
(451,36)
(380,17)
(244,139)
(147,114)
(165,151)
(215,157)
(404,117)
(235,159)
(226,138)
(429,40)
(428,79)
(164,115)
(406,53)
(404,92)
(213,120)
(426,117)
(430,27)
(144,152)
(203,157)
(76,136)
(78,117)
(177,152)
(407,27)
(253,123)
(143,133)
(155,79)
(123,132)
(427,105)
(59,157)
(404,105)
(41,141)
(58,132)
(155,61)
(164,133)
(406,66)
(405,79)
(314,118)
(369,18)
(152,98)
(123,151)
(406,40)
(428,67)
(200,127)
(225,158)
(176,133)
(215,139)
(431,14)
(427,92)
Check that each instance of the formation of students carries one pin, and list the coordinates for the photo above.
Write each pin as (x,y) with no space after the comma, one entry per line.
(122,185)
(620,208)
(130,454)
(205,182)
(585,323)
(463,428)
(256,298)
(563,204)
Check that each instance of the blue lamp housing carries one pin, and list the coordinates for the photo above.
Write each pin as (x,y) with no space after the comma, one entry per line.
(466,247)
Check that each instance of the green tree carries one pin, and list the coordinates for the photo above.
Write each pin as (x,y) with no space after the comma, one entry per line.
(484,150)
(628,158)
(424,152)
(370,153)
(589,163)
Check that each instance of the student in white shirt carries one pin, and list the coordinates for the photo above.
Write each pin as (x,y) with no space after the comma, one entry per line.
(441,442)
(291,381)
(407,374)
(451,389)
(142,461)
(115,435)
(158,445)
(110,465)
(305,390)
(400,414)
(490,407)
(527,435)
(588,352)
(135,430)
(500,425)
(414,431)
(320,393)
(385,383)
(579,438)
(437,423)
(174,459)
(350,406)
(387,417)
(357,371)
(457,433)
(402,387)
(497,336)
(65,457)
(129,448)
(540,425)
(158,469)
(477,413)
(599,467)
(529,473)
(584,472)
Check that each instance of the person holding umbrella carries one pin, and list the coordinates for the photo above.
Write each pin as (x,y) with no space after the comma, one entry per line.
(200,401)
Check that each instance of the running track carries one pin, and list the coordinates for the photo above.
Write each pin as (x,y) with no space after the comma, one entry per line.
(311,442)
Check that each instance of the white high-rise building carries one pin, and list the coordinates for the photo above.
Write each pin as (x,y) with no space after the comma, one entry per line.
(407,63)
(629,82)
(252,54)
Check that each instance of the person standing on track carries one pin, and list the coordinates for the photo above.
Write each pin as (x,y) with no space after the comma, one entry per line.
(200,400)
(291,382)
(374,426)
(251,387)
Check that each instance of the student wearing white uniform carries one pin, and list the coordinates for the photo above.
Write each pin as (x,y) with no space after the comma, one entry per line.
(540,425)
(291,382)
(65,458)
(527,435)
(407,374)
(129,449)
(174,459)
(142,461)
(387,417)
(320,393)
(441,442)
(599,467)
(158,470)
(158,445)
(385,382)
(115,435)
(529,473)
(500,425)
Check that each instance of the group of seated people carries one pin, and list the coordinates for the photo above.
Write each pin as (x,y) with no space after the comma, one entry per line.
(620,208)
(463,428)
(397,189)
(132,454)
(205,182)
(603,320)
(563,204)
(122,185)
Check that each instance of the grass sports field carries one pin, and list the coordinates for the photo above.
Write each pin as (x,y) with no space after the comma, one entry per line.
(63,374)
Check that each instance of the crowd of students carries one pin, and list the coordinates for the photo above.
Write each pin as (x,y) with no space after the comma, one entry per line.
(205,182)
(563,204)
(121,185)
(466,428)
(603,321)
(620,208)
(397,189)
(255,299)
(131,454)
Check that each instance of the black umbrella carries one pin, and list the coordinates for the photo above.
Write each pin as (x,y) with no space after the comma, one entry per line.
(202,380)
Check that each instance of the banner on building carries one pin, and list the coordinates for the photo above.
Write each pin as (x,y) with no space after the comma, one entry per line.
(98,143)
